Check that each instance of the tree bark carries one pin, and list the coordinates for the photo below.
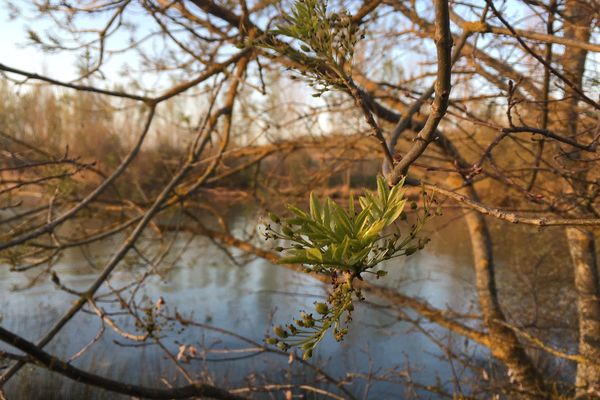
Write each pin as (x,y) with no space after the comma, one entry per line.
(504,343)
(583,255)
(578,19)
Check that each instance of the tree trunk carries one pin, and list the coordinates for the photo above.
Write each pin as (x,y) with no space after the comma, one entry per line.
(583,255)
(504,343)
(578,19)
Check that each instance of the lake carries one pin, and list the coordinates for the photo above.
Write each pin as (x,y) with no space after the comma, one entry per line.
(382,354)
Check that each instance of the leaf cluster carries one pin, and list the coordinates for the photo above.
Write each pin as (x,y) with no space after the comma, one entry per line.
(331,240)
(324,43)
(343,244)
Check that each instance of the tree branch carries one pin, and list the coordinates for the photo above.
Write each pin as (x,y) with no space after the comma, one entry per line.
(443,41)
(55,364)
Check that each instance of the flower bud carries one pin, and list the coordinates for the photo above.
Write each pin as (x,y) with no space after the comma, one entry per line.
(279,331)
(283,346)
(321,308)
(307,354)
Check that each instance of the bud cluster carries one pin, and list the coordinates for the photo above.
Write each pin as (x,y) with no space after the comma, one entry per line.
(308,330)
(325,43)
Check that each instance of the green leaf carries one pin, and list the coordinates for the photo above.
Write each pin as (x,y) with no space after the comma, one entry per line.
(327,213)
(345,249)
(382,189)
(337,251)
(395,195)
(298,211)
(314,254)
(358,257)
(342,222)
(281,31)
(317,228)
(372,231)
(361,220)
(315,207)
(393,213)
(295,221)
(373,203)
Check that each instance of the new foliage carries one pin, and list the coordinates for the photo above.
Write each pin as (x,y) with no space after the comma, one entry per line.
(342,244)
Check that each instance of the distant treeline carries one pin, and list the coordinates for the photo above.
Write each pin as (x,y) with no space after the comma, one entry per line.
(43,123)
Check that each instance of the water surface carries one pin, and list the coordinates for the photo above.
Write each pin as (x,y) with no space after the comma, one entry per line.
(206,285)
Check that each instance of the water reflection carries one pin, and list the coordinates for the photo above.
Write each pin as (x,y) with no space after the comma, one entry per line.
(246,299)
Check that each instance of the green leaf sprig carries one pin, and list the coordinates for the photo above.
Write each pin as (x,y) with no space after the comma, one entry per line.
(323,42)
(343,244)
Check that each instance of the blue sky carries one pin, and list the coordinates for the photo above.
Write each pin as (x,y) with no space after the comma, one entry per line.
(15,51)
